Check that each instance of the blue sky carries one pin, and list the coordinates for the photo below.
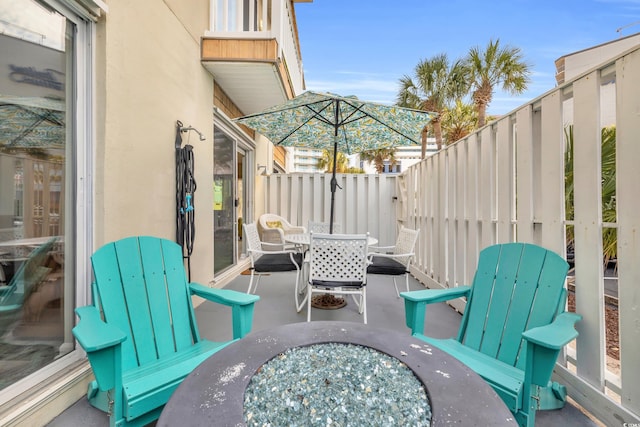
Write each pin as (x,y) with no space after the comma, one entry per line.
(363,48)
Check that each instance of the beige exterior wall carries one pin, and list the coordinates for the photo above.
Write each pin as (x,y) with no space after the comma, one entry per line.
(149,75)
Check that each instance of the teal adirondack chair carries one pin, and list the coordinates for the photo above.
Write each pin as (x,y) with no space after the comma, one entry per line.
(140,335)
(513,327)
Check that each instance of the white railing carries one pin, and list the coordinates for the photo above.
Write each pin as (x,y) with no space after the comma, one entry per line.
(261,19)
(231,17)
(506,183)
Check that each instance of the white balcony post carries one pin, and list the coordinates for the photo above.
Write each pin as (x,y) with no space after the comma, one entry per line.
(278,17)
(252,13)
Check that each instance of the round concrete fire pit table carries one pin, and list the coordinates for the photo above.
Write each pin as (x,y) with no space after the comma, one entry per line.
(213,394)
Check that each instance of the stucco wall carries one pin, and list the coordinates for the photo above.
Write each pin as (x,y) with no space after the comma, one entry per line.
(149,75)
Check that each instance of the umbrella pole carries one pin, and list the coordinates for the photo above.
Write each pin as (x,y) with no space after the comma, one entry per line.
(330,301)
(334,184)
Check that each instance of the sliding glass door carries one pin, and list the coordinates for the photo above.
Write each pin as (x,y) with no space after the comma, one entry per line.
(224,202)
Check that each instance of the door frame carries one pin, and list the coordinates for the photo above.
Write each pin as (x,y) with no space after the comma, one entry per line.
(242,143)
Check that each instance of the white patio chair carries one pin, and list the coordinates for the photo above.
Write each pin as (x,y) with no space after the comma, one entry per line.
(394,260)
(272,261)
(323,227)
(318,227)
(273,228)
(338,266)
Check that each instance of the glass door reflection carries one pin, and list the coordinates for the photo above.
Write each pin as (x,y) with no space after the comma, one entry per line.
(224,202)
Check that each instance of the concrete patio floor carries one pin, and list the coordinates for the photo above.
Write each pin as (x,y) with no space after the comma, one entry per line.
(276,307)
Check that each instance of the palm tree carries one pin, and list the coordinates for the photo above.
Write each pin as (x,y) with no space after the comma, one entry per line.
(458,121)
(378,157)
(495,66)
(326,162)
(437,83)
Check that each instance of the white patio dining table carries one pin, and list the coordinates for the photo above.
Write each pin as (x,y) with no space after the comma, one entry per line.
(304,239)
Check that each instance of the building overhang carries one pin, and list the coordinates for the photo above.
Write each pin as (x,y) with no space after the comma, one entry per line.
(249,71)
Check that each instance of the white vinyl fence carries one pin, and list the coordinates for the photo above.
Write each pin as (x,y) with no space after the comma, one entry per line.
(365,203)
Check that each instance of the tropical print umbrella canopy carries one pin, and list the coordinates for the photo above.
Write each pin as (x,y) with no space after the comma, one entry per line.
(313,120)
(346,124)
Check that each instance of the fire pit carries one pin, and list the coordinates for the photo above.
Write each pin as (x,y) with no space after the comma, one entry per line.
(329,383)
(214,393)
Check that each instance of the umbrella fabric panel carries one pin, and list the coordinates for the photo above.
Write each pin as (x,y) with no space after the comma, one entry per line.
(31,123)
(310,120)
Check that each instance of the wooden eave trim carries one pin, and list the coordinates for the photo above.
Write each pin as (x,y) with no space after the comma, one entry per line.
(285,78)
(239,50)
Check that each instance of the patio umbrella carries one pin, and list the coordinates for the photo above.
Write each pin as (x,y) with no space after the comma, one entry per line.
(344,124)
(31,123)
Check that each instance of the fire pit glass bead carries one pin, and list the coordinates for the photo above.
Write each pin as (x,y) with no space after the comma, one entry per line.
(335,384)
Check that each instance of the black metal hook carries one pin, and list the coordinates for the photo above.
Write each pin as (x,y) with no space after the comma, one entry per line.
(180,129)
(178,134)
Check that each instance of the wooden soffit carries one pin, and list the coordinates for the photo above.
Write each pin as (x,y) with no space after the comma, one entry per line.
(248,70)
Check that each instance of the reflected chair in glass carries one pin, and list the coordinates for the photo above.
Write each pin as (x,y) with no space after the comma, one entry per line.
(338,266)
(30,274)
(270,258)
(394,260)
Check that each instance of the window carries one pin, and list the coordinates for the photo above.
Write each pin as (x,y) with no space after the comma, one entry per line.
(43,115)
